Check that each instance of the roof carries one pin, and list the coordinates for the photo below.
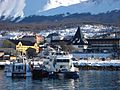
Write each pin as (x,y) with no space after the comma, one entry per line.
(78,38)
(28,38)
(24,42)
(53,34)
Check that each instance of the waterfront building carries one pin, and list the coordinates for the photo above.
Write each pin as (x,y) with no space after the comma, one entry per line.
(104,44)
(109,46)
(22,46)
(78,41)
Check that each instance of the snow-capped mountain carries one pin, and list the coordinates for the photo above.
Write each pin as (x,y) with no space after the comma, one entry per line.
(23,8)
(15,8)
(57,3)
(12,8)
(91,6)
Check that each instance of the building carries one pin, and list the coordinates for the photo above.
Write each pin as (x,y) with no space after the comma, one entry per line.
(28,38)
(104,44)
(78,41)
(39,39)
(22,46)
(53,36)
(36,38)
(95,45)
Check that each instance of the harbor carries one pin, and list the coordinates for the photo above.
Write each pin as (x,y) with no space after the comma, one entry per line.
(58,57)
(92,79)
(60,45)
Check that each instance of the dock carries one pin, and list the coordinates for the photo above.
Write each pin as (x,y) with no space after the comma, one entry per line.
(98,64)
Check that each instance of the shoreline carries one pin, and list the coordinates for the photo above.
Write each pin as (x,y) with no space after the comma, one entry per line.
(110,68)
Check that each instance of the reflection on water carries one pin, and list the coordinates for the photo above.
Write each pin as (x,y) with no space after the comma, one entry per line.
(89,80)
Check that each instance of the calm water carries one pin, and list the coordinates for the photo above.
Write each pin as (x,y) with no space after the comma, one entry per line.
(89,80)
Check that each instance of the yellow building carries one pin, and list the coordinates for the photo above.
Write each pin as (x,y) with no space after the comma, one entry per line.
(21,47)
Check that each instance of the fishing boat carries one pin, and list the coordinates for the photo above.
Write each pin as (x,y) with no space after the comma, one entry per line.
(63,65)
(58,64)
(18,68)
(38,69)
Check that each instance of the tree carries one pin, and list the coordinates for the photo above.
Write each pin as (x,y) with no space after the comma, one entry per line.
(65,47)
(8,44)
(31,52)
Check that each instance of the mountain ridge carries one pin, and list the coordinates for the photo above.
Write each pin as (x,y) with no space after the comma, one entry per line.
(19,10)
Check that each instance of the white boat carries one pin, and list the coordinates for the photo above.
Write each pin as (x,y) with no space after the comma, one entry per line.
(17,69)
(63,65)
(59,63)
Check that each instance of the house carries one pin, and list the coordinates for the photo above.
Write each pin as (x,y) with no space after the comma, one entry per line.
(52,37)
(39,39)
(28,38)
(22,46)
(35,38)
(8,51)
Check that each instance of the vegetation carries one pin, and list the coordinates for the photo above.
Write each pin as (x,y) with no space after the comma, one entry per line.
(8,44)
(65,47)
(31,52)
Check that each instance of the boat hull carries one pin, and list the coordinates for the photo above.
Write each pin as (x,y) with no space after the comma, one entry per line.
(39,74)
(71,75)
(64,75)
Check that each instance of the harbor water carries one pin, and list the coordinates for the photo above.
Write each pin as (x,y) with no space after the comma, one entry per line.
(89,80)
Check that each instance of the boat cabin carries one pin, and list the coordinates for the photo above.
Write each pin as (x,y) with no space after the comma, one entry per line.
(62,61)
(19,68)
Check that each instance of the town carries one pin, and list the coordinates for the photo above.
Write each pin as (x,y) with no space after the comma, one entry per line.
(94,50)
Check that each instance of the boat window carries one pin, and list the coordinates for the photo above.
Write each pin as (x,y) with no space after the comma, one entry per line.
(52,53)
(19,67)
(62,60)
(61,53)
(58,54)
(61,66)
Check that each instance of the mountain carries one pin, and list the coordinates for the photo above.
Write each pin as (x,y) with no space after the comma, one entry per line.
(16,10)
(23,8)
(12,8)
(111,17)
(90,6)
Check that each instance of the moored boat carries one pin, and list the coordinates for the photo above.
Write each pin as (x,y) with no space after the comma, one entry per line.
(58,64)
(17,69)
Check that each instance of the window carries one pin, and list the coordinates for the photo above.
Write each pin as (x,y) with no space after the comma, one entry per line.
(62,60)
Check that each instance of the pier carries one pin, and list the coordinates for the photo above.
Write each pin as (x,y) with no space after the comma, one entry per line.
(98,64)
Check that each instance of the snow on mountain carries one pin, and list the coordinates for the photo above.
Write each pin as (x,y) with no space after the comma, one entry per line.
(23,8)
(13,8)
(92,6)
(16,8)
(57,3)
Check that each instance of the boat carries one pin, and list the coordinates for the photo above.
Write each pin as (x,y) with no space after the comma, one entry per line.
(63,65)
(58,64)
(38,70)
(18,68)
